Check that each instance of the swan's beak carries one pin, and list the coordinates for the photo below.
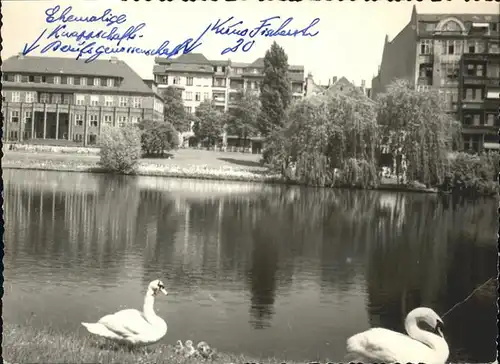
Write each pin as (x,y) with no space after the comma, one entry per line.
(164,291)
(439,328)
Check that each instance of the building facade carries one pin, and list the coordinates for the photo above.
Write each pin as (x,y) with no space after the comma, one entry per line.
(457,54)
(68,99)
(222,81)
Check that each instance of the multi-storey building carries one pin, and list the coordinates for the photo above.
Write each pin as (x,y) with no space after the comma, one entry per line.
(68,99)
(219,80)
(457,54)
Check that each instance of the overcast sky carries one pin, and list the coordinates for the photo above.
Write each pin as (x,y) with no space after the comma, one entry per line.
(349,42)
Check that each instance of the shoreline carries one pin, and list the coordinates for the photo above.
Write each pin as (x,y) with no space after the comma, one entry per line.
(25,344)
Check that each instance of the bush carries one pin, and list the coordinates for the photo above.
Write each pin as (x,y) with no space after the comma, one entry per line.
(472,175)
(120,148)
(158,137)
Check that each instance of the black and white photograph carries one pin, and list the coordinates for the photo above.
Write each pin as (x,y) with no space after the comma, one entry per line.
(250,181)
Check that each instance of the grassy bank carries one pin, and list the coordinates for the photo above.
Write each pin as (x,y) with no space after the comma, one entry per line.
(23,344)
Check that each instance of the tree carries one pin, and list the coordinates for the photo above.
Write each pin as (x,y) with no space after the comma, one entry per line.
(275,91)
(208,124)
(242,119)
(158,137)
(174,109)
(120,148)
(418,131)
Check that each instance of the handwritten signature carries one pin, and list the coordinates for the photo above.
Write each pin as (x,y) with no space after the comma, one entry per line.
(111,35)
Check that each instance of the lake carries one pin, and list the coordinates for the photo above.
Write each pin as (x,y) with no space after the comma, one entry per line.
(256,269)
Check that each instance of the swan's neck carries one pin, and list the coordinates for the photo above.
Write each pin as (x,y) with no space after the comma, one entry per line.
(434,342)
(148,309)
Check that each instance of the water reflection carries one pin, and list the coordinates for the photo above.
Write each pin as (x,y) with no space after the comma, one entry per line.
(264,270)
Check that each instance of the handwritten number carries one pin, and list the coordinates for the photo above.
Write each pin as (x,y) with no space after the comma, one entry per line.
(245,48)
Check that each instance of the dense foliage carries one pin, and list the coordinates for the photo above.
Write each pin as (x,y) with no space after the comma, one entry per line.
(275,91)
(209,123)
(328,140)
(242,118)
(120,148)
(417,128)
(174,109)
(158,137)
(472,174)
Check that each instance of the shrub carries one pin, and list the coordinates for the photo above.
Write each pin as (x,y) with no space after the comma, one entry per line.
(472,175)
(120,148)
(158,137)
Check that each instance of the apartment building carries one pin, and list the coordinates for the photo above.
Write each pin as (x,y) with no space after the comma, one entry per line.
(220,80)
(335,85)
(457,54)
(68,99)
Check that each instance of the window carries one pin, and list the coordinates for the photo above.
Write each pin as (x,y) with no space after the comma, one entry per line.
(452,46)
(14,116)
(123,101)
(476,119)
(97,81)
(451,26)
(164,80)
(57,80)
(108,100)
(30,97)
(137,102)
(43,79)
(471,46)
(197,96)
(28,117)
(493,70)
(450,71)
(13,135)
(31,79)
(122,120)
(177,80)
(17,78)
(206,96)
(470,69)
(134,119)
(187,109)
(16,96)
(480,70)
(493,48)
(189,96)
(79,119)
(108,119)
(93,120)
(477,94)
(94,99)
(70,80)
(110,82)
(80,99)
(426,46)
(66,99)
(467,119)
(78,138)
(44,98)
(83,81)
(189,81)
(468,94)
(92,139)
(490,119)
(56,98)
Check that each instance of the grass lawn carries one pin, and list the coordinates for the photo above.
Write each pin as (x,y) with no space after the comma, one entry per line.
(23,344)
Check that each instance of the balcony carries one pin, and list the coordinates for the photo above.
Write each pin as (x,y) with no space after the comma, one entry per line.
(480,57)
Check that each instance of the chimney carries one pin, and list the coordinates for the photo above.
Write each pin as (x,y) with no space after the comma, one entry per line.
(334,79)
(113,60)
(363,83)
(20,55)
(329,82)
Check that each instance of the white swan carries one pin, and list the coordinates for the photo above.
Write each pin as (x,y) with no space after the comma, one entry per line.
(131,326)
(382,345)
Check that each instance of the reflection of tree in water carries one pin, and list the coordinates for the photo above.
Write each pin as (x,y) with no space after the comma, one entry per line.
(436,259)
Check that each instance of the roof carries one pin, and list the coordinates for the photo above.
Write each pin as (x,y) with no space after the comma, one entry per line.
(131,81)
(479,18)
(258,63)
(188,58)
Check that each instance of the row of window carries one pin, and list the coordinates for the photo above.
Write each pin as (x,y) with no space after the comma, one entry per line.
(490,119)
(188,96)
(58,98)
(453,26)
(454,46)
(62,80)
(79,118)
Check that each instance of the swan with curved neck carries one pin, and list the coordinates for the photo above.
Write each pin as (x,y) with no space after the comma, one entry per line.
(419,346)
(132,326)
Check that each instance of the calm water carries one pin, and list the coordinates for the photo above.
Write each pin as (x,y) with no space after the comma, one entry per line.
(262,270)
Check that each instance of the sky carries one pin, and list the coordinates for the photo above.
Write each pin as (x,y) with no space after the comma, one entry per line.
(349,40)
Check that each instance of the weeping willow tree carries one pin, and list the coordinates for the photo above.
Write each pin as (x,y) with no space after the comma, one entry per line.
(418,131)
(331,140)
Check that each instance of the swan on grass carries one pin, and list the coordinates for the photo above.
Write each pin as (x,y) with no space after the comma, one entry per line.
(131,326)
(419,346)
